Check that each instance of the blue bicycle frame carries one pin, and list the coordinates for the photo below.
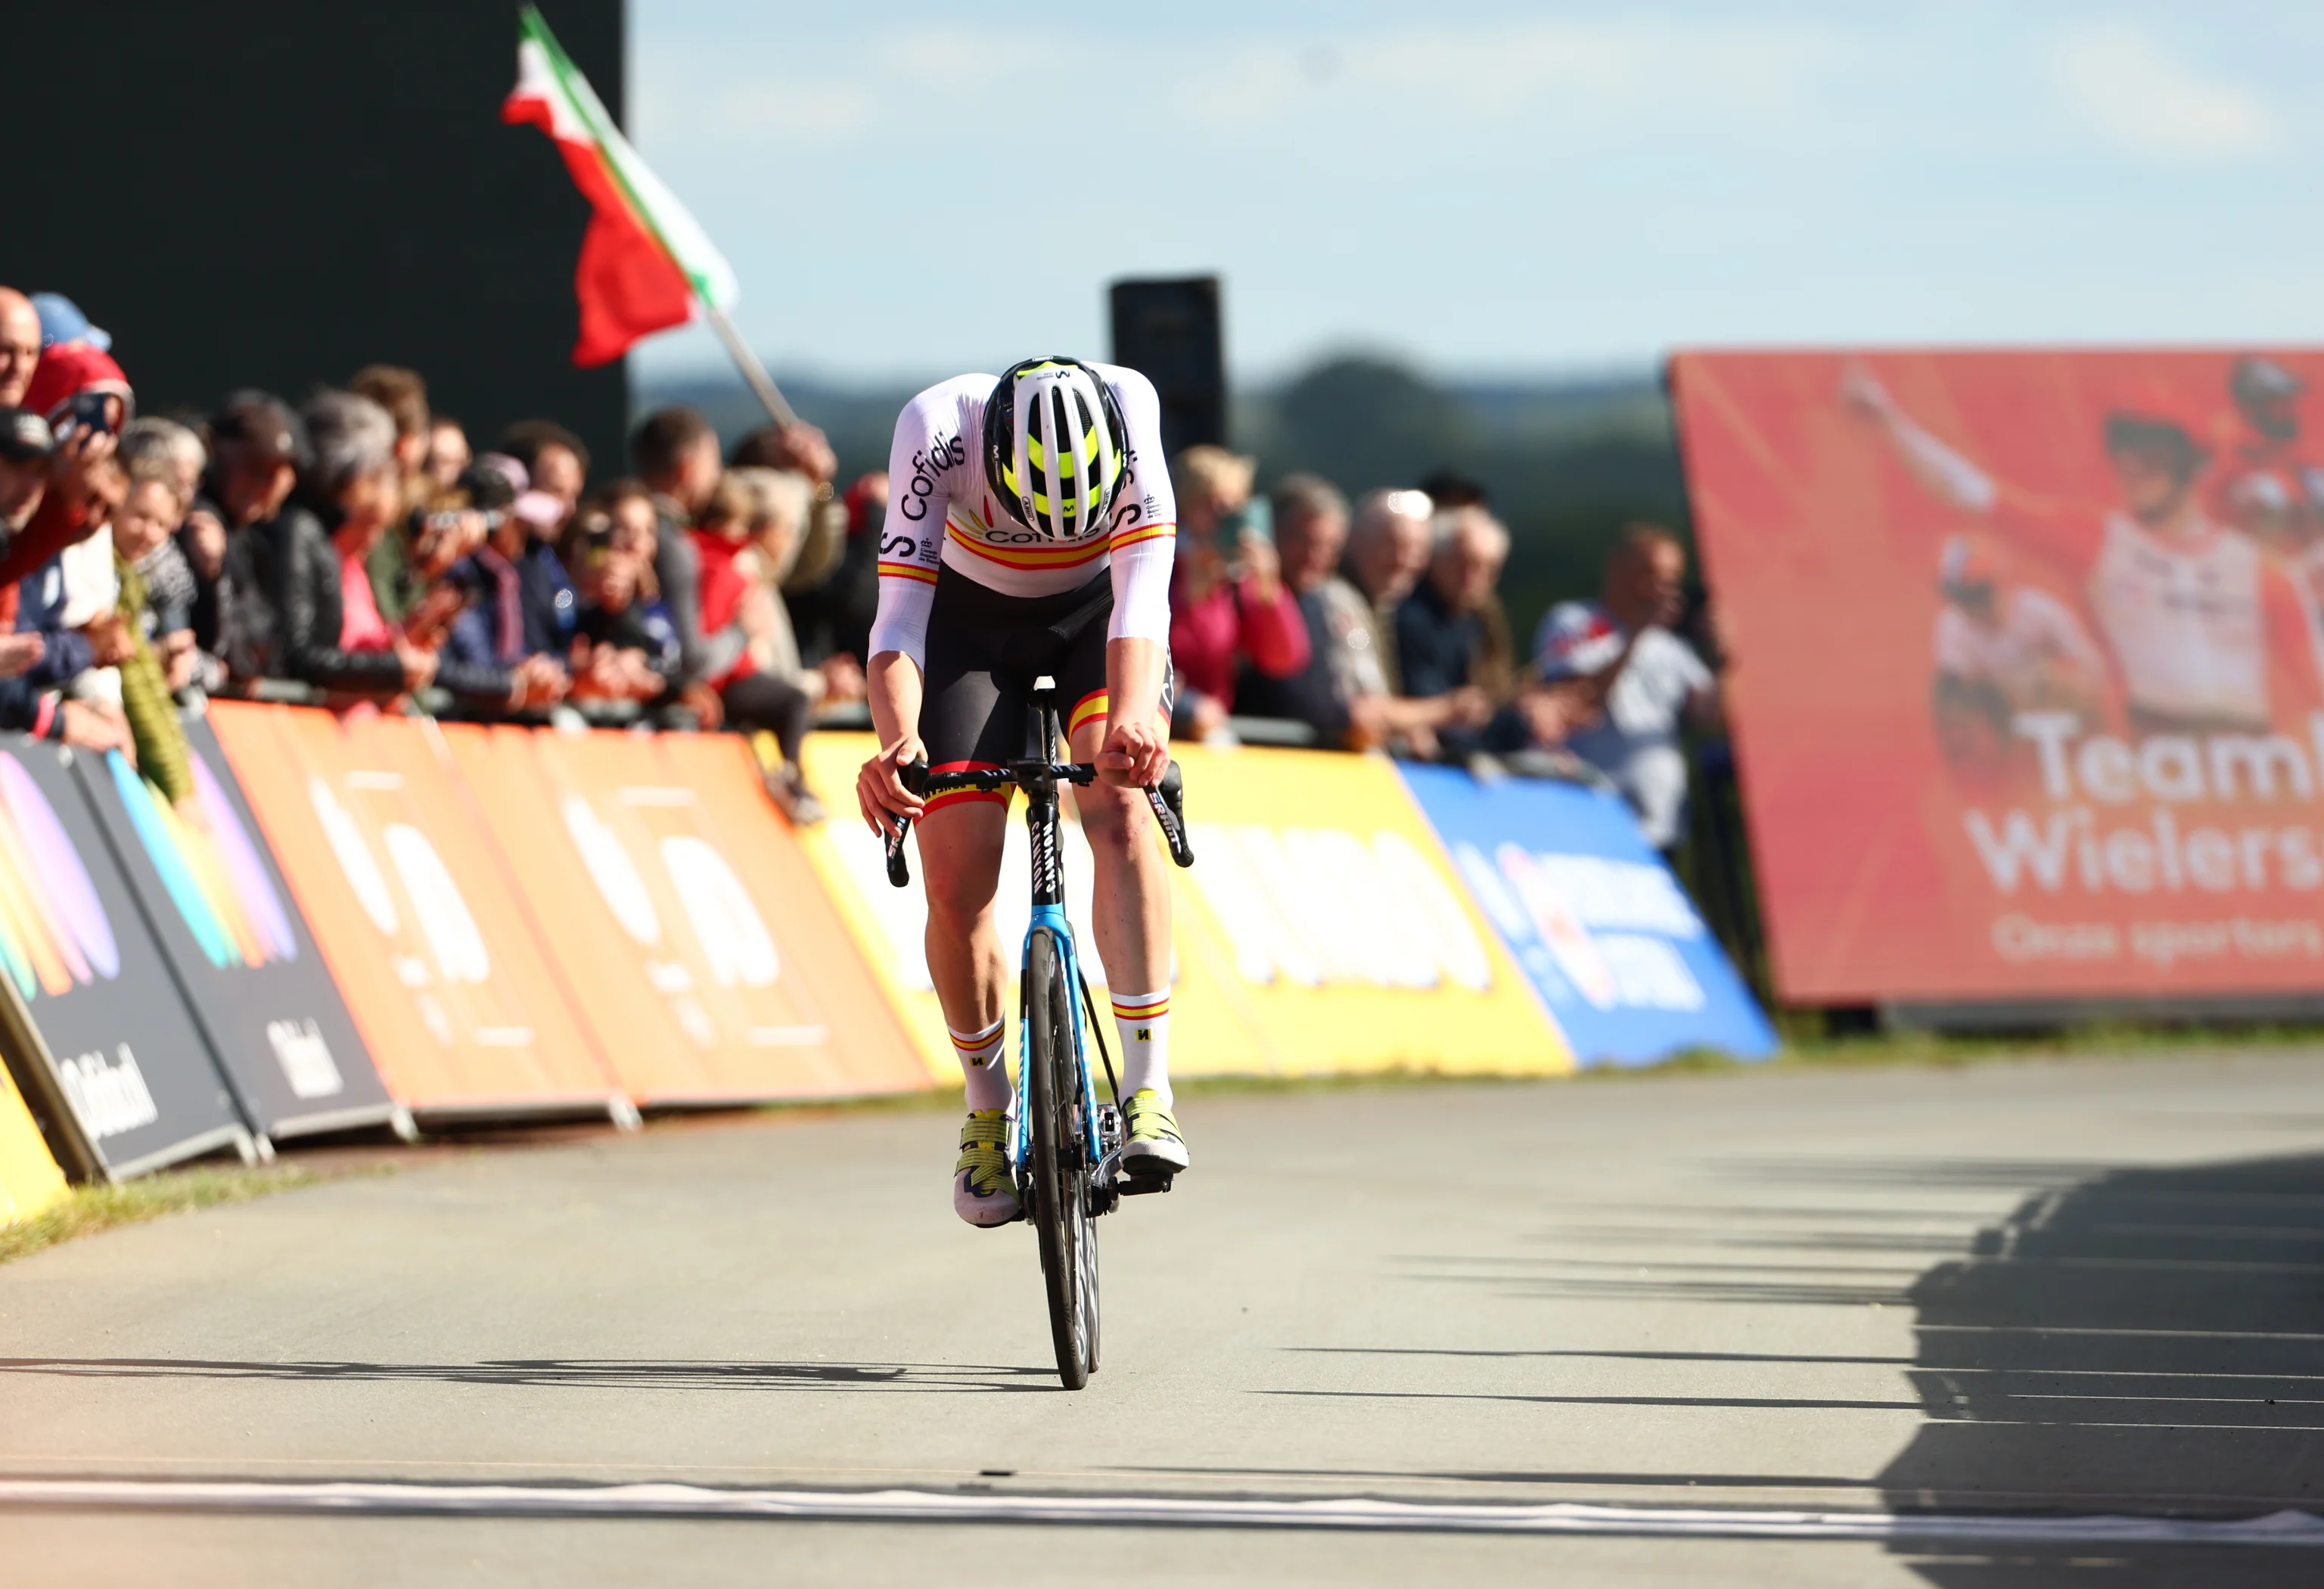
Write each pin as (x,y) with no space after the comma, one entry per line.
(1052,918)
(1039,779)
(1044,827)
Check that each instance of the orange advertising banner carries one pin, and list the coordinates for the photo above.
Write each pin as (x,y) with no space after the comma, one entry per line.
(699,943)
(2029,665)
(412,909)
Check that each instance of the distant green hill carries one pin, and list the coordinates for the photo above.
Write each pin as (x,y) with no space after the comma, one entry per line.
(1566,463)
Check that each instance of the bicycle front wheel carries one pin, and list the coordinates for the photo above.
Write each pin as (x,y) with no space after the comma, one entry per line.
(1055,1105)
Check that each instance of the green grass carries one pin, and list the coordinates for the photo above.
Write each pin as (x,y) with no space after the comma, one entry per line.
(1817,1051)
(87,1210)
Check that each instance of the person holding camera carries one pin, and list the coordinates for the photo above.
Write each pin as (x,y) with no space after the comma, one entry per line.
(1228,600)
(27,705)
(84,397)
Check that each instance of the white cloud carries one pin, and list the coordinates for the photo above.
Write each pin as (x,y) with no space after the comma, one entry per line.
(2134,94)
(910,80)
(1593,71)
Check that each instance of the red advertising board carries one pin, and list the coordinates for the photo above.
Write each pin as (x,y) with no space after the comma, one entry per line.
(2029,665)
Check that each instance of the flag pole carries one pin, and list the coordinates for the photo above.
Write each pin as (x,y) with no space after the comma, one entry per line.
(762,385)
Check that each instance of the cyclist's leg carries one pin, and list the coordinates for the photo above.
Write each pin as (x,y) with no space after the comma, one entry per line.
(969,717)
(1129,908)
(1130,903)
(964,714)
(960,869)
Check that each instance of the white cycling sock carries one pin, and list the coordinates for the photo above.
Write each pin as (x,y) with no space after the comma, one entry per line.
(1143,1019)
(981,1066)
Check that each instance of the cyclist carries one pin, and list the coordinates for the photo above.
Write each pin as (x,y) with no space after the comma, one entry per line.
(1030,530)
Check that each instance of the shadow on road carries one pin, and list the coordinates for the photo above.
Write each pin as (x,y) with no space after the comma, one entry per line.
(2143,1341)
(570,1373)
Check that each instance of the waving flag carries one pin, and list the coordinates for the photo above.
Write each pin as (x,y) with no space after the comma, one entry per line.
(645,263)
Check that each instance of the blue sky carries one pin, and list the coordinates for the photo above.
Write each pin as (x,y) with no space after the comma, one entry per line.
(910,191)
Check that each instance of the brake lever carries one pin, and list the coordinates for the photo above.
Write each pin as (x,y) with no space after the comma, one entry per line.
(1168,799)
(914,776)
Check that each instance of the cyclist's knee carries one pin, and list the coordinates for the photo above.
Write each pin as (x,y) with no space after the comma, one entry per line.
(1116,821)
(960,888)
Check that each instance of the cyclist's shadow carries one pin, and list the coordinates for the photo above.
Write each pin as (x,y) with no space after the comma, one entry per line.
(2145,1343)
(573,1374)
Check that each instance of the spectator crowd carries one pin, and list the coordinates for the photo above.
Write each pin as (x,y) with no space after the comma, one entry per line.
(364,550)
(1381,627)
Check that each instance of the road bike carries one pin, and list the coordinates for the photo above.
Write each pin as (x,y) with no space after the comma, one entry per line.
(1065,1147)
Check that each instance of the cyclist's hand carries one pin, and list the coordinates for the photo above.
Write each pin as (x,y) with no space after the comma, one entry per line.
(880,789)
(1134,754)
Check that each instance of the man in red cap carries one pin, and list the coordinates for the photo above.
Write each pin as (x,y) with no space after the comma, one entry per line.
(2208,632)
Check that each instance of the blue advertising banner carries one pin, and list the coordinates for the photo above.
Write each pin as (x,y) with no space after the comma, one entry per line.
(1609,938)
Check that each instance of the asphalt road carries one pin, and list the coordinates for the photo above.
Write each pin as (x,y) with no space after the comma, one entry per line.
(2005,1297)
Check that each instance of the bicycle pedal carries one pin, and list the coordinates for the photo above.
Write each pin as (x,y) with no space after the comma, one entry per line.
(1139,1185)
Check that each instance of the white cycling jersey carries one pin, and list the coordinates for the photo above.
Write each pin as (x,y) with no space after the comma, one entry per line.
(2186,619)
(942,514)
(2030,630)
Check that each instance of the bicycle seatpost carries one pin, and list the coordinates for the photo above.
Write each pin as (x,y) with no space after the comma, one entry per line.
(914,776)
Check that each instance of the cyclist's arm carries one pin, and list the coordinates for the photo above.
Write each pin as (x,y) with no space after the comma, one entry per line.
(1941,470)
(2054,530)
(1144,540)
(921,462)
(1144,544)
(891,689)
(912,543)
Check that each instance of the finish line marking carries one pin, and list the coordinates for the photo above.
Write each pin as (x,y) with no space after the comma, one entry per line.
(688,1500)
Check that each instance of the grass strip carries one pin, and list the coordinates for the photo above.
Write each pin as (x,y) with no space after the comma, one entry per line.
(1905,1048)
(87,1210)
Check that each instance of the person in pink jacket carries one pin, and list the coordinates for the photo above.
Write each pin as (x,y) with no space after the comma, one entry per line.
(1227,603)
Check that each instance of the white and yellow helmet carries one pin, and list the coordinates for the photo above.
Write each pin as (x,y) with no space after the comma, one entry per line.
(1055,447)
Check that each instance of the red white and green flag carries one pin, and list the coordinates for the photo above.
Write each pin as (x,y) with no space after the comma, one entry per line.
(646,265)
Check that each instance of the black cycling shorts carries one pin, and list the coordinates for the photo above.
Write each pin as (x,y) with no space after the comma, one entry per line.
(985,649)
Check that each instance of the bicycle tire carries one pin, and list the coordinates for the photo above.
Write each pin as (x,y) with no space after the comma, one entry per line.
(1061,1168)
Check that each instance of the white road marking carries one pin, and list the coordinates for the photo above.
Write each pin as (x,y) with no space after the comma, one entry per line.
(2281,1527)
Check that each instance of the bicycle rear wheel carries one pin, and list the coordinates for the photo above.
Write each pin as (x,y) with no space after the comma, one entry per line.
(1061,1168)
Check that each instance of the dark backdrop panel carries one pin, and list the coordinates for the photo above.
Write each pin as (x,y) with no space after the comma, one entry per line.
(233,937)
(129,1064)
(276,193)
(1172,333)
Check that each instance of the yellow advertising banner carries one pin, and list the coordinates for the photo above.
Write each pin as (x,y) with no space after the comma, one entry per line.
(29,1178)
(1320,928)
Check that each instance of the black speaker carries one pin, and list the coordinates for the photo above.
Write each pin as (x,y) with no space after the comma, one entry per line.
(1171,333)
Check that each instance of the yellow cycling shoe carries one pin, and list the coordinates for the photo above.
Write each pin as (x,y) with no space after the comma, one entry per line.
(982,1193)
(1155,1149)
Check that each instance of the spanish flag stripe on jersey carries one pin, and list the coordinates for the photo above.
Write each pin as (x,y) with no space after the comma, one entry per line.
(1131,537)
(1031,556)
(1091,704)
